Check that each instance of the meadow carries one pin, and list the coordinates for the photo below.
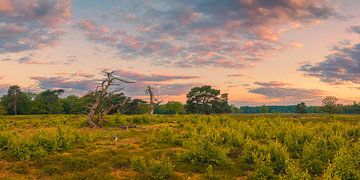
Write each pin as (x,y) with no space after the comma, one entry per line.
(263,146)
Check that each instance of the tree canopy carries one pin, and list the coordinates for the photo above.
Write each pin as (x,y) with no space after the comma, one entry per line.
(206,100)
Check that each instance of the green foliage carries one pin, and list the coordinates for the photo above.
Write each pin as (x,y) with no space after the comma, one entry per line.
(294,172)
(210,174)
(264,109)
(329,104)
(262,146)
(171,107)
(165,135)
(38,145)
(205,153)
(2,110)
(262,167)
(51,170)
(25,149)
(345,164)
(206,100)
(161,168)
(16,101)
(300,108)
(48,102)
(76,164)
(320,151)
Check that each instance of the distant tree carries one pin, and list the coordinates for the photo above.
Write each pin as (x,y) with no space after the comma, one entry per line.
(329,104)
(2,110)
(16,101)
(300,108)
(264,109)
(48,102)
(120,100)
(171,107)
(235,109)
(136,106)
(12,99)
(222,104)
(352,109)
(72,105)
(206,100)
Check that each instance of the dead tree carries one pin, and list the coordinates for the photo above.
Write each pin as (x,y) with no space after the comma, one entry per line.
(153,99)
(108,87)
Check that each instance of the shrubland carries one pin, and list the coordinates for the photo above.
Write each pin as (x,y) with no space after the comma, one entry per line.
(181,146)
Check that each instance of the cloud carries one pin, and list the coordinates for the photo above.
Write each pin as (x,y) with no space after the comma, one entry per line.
(272,83)
(31,24)
(342,66)
(173,89)
(80,83)
(234,75)
(31,59)
(3,89)
(355,29)
(231,34)
(152,77)
(285,93)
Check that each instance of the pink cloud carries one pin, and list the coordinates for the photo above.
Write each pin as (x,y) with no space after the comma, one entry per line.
(31,24)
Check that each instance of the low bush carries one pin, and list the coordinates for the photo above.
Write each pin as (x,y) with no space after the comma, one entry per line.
(161,168)
(346,164)
(205,153)
(294,171)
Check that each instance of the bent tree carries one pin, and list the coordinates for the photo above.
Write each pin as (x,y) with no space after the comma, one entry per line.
(153,99)
(109,88)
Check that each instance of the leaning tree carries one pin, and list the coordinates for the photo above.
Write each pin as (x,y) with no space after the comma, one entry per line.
(152,93)
(109,87)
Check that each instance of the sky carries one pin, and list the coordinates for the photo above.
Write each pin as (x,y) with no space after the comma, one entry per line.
(273,52)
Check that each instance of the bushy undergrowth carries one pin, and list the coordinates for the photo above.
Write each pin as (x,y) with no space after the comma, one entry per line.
(210,146)
(40,144)
(160,168)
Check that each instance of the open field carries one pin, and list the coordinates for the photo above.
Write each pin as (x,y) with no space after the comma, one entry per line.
(181,147)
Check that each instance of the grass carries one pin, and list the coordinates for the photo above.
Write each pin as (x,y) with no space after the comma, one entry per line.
(266,146)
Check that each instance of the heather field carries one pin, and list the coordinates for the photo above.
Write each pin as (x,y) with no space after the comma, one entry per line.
(181,147)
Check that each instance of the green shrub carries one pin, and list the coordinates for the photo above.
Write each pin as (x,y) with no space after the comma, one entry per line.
(164,135)
(210,174)
(262,167)
(20,168)
(346,164)
(64,139)
(52,170)
(138,163)
(140,119)
(46,140)
(294,139)
(254,152)
(92,174)
(161,168)
(4,141)
(76,164)
(26,149)
(319,152)
(294,171)
(203,154)
(278,158)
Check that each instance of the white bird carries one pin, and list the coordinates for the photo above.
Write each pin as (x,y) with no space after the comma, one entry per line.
(115,138)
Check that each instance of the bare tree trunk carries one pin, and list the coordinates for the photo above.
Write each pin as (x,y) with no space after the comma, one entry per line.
(96,113)
(15,104)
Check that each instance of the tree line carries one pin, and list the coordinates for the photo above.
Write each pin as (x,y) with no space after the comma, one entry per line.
(200,100)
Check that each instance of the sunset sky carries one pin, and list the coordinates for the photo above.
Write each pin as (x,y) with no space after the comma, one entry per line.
(259,51)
